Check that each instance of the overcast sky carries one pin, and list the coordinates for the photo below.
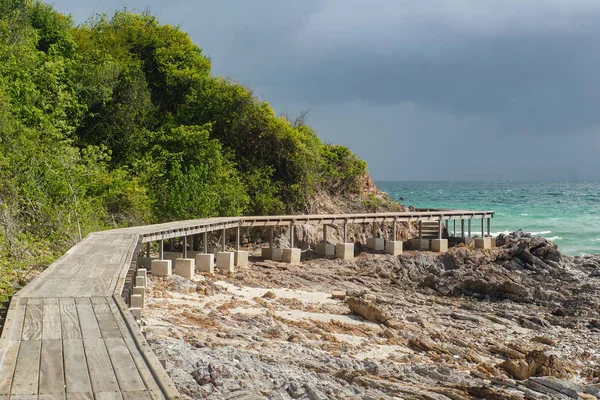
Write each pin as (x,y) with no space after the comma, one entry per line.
(436,89)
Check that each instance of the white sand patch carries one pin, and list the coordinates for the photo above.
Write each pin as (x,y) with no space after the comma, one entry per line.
(252,292)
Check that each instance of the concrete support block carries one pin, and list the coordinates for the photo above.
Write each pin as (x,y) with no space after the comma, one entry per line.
(493,242)
(137,301)
(139,290)
(240,258)
(419,244)
(142,272)
(136,312)
(225,261)
(325,250)
(439,245)
(184,267)
(145,262)
(140,281)
(291,256)
(393,247)
(483,243)
(344,251)
(272,253)
(376,244)
(205,263)
(161,268)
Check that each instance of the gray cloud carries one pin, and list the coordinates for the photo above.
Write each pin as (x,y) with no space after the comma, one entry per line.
(470,82)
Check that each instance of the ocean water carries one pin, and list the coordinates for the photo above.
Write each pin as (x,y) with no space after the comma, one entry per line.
(567,213)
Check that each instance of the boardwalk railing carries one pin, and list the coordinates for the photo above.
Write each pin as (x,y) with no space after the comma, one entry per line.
(70,333)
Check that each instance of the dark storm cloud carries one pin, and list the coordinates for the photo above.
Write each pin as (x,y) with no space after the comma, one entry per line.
(493,81)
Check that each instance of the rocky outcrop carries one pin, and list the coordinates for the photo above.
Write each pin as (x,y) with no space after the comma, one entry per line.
(517,322)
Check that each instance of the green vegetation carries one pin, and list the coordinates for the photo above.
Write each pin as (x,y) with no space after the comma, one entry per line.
(119,122)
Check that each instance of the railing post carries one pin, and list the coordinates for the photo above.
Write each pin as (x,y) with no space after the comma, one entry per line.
(161,250)
(394,229)
(482,229)
(271,237)
(489,226)
(469,228)
(148,249)
(206,240)
(440,229)
(462,227)
(324,233)
(292,235)
(420,229)
(346,231)
(185,246)
(223,241)
(237,241)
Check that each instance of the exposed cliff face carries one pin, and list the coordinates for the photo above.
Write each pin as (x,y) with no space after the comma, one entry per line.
(517,322)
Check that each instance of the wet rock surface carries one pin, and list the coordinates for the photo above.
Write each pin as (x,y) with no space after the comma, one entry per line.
(517,322)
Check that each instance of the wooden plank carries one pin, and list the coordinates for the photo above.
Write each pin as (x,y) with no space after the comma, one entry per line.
(69,319)
(75,286)
(105,318)
(13,326)
(136,356)
(144,395)
(32,326)
(25,379)
(52,379)
(101,372)
(7,366)
(77,377)
(80,396)
(127,374)
(87,319)
(108,396)
(51,397)
(51,320)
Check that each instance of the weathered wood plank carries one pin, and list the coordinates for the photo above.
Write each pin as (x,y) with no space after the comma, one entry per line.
(27,370)
(101,371)
(77,377)
(108,396)
(105,317)
(127,374)
(137,358)
(80,396)
(7,366)
(52,379)
(143,395)
(69,319)
(87,319)
(32,326)
(51,319)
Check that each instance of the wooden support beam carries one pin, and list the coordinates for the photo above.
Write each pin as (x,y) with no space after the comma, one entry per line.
(324,233)
(345,232)
(489,226)
(271,237)
(482,229)
(237,240)
(148,249)
(454,227)
(462,228)
(292,236)
(420,230)
(185,247)
(394,229)
(440,229)
(469,228)
(161,249)
(223,240)
(206,242)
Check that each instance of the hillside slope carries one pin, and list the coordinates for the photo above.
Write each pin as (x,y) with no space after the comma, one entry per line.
(119,122)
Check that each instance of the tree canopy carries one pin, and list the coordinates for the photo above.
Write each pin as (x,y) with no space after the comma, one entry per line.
(118,121)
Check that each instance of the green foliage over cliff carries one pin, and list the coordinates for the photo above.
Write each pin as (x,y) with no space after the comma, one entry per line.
(119,122)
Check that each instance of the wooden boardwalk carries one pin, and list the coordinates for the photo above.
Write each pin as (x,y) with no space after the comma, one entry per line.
(69,333)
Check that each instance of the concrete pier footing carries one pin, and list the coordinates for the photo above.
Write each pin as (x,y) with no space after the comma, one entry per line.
(161,268)
(137,301)
(184,267)
(345,251)
(240,258)
(325,250)
(143,273)
(205,263)
(376,244)
(225,261)
(139,290)
(439,245)
(419,244)
(274,254)
(393,247)
(140,281)
(483,243)
(291,256)
(136,312)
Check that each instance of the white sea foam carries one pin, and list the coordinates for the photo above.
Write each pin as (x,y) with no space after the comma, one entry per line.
(524,215)
(542,233)
(596,240)
(554,238)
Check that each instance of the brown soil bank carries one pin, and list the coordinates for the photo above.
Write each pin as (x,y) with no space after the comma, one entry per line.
(518,322)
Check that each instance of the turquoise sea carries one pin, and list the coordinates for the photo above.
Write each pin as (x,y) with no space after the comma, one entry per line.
(567,213)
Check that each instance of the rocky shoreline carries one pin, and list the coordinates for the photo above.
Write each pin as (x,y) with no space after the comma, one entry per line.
(517,322)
